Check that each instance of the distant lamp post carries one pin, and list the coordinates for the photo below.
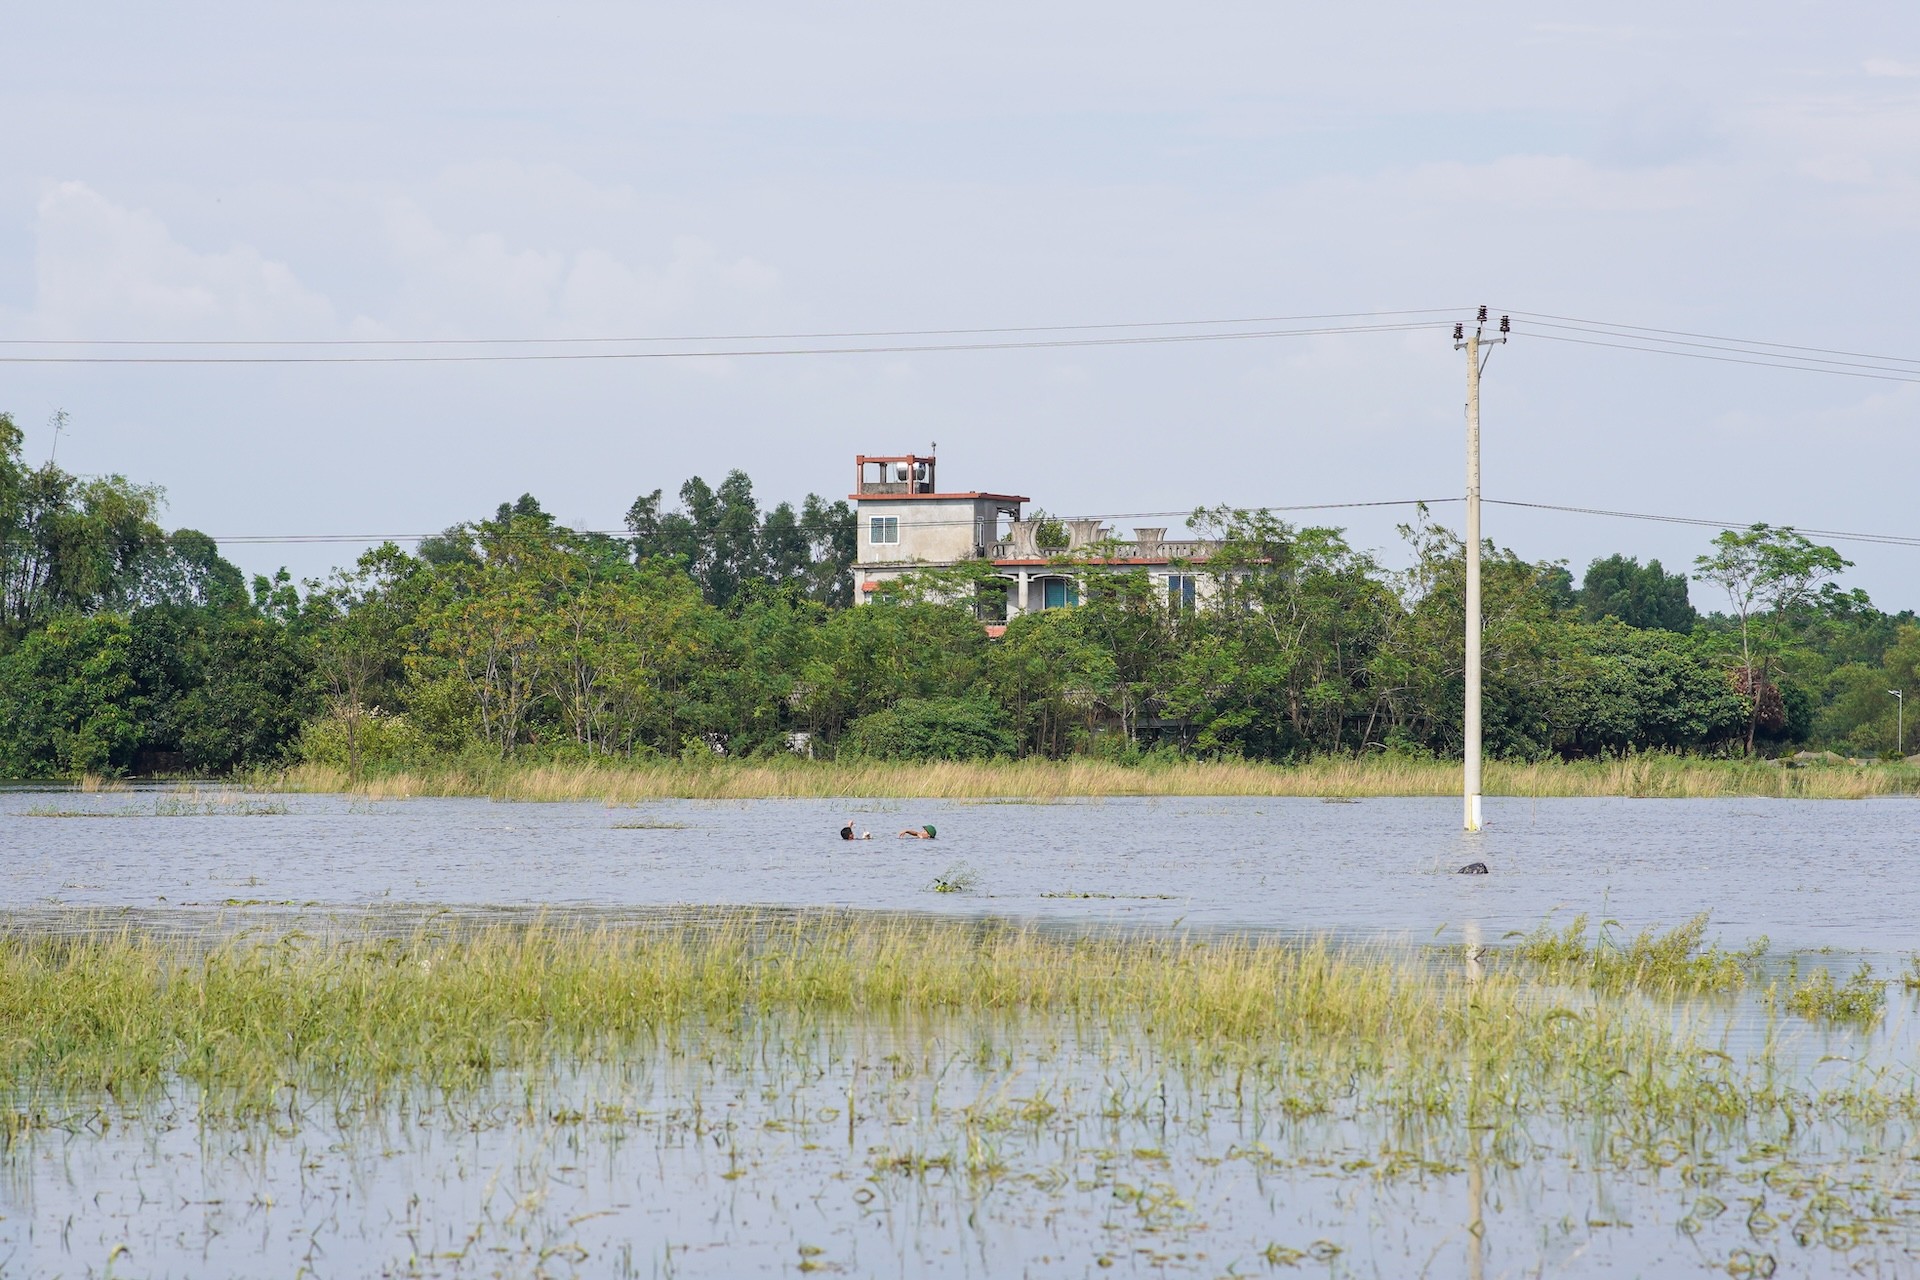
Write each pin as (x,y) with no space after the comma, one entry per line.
(1899,722)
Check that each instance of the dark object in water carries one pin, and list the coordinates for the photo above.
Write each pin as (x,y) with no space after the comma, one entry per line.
(1473,869)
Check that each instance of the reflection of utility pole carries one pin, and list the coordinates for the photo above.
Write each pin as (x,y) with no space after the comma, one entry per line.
(1470,343)
(1899,721)
(1477,1225)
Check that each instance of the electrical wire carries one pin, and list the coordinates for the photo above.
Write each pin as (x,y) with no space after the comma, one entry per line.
(1881,539)
(891,349)
(1714,337)
(1698,355)
(374,538)
(1878,539)
(711,337)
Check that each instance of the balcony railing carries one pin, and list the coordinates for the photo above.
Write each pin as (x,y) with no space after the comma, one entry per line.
(1122,549)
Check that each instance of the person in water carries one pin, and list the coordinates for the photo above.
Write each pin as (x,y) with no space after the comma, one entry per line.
(846,832)
(924,833)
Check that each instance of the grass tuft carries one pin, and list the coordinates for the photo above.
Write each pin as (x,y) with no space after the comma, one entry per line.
(1860,1001)
(1670,963)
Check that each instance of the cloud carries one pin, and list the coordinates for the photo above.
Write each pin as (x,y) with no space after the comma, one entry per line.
(104,270)
(455,283)
(1887,67)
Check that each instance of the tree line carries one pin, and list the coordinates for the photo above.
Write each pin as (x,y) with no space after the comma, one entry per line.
(718,628)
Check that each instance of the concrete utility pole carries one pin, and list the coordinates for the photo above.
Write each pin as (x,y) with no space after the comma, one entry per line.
(1471,344)
(1899,721)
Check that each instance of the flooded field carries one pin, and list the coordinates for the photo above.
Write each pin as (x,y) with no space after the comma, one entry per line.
(1806,874)
(265,1035)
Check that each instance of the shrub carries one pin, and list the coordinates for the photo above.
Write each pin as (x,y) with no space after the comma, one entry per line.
(386,741)
(931,729)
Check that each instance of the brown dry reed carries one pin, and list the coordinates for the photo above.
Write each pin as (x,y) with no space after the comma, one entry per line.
(1652,775)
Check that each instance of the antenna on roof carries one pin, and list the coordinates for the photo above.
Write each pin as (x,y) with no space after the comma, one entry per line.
(933,446)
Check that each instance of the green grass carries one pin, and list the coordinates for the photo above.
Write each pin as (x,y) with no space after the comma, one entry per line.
(122,1015)
(1672,963)
(1859,1001)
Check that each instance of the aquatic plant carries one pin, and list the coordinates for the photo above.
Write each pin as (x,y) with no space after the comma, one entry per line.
(958,878)
(1860,1000)
(1673,962)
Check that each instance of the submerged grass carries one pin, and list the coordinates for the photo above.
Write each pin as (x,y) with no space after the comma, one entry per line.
(1858,1001)
(1654,775)
(187,802)
(1672,963)
(254,1025)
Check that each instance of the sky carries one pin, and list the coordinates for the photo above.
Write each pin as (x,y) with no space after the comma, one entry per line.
(483,170)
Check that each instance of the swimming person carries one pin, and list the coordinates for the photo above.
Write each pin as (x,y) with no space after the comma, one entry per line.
(924,833)
(846,832)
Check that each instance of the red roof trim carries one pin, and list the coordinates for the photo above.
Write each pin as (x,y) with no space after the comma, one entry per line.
(1048,564)
(935,497)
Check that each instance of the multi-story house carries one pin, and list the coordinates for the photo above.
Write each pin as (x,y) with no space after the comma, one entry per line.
(907,523)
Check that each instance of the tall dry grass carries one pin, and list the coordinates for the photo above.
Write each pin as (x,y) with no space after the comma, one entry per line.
(1661,776)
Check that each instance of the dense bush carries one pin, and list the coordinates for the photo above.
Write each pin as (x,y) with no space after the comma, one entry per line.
(932,729)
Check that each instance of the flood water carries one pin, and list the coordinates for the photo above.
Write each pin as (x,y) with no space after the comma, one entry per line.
(1805,874)
(957,1148)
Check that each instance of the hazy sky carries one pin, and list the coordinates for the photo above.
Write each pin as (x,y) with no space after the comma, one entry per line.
(487,170)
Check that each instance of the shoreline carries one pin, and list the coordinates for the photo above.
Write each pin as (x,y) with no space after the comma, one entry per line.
(1641,777)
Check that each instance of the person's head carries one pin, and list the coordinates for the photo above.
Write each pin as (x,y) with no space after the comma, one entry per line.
(930,831)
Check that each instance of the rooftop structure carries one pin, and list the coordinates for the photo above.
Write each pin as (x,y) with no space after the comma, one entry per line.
(907,524)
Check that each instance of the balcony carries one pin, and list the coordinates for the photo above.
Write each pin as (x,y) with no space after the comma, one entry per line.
(1083,536)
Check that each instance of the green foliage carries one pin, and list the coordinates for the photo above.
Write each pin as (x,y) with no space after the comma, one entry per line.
(720,628)
(1860,1000)
(380,741)
(722,539)
(1646,596)
(64,699)
(1673,962)
(931,729)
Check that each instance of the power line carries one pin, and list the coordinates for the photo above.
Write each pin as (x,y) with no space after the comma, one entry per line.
(709,337)
(374,538)
(1714,337)
(1881,539)
(1698,355)
(892,349)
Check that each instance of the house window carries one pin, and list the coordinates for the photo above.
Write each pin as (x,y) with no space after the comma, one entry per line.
(1180,590)
(1058,593)
(884,529)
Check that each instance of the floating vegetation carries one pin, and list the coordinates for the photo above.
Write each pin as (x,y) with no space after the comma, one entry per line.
(1859,1001)
(1129,897)
(182,804)
(958,878)
(648,826)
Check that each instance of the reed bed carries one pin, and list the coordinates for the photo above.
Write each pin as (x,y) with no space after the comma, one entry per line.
(1652,776)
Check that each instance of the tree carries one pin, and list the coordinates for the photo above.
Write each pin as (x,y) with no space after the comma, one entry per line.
(65,700)
(1770,576)
(357,643)
(1646,596)
(68,543)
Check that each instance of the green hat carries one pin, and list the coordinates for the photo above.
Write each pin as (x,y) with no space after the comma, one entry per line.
(929,829)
